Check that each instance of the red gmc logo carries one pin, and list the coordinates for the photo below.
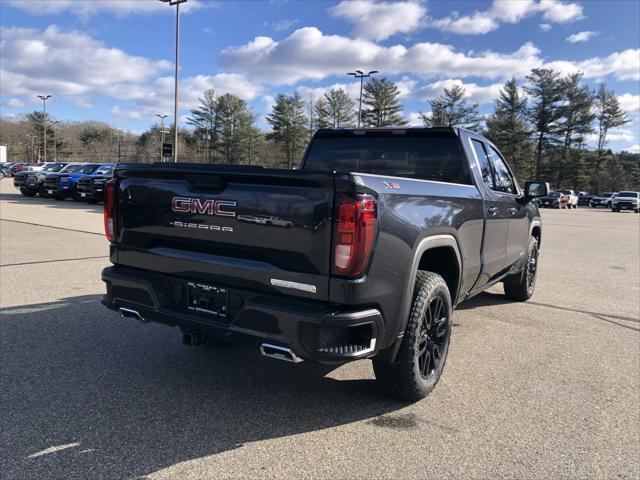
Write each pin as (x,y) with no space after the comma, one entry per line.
(219,208)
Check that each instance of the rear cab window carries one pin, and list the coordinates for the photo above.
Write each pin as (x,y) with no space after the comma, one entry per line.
(425,157)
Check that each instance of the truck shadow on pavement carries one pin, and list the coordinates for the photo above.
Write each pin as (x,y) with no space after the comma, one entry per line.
(85,394)
(487,299)
(67,204)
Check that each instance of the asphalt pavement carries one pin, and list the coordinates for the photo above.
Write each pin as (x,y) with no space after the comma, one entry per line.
(549,388)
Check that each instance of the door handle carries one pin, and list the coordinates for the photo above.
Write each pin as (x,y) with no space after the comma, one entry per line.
(492,210)
(513,210)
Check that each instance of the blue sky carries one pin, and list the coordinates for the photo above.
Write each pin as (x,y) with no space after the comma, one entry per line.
(112,60)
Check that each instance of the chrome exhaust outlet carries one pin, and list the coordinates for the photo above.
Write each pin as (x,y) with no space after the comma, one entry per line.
(280,353)
(128,313)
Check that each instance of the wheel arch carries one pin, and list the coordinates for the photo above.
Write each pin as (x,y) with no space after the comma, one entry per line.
(536,231)
(439,252)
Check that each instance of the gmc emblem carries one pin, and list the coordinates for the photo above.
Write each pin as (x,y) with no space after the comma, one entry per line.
(205,207)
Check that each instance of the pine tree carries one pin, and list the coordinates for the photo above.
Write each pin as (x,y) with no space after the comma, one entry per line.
(204,119)
(233,121)
(609,114)
(381,104)
(545,89)
(321,109)
(575,122)
(508,129)
(289,125)
(339,108)
(451,109)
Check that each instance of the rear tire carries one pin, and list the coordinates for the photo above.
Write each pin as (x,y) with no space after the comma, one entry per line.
(27,193)
(520,287)
(423,351)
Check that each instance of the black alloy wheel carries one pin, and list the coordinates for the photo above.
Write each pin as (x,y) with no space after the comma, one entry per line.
(433,340)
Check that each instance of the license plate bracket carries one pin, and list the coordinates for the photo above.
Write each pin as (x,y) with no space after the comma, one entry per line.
(208,299)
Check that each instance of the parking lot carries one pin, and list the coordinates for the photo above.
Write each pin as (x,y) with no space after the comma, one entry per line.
(549,388)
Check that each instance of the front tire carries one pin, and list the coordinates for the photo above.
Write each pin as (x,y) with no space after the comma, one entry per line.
(27,193)
(520,286)
(423,351)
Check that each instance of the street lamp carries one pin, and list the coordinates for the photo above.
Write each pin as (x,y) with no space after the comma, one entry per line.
(359,74)
(175,101)
(55,149)
(44,99)
(162,117)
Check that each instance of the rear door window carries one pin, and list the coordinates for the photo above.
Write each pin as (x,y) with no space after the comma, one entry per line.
(504,180)
(485,165)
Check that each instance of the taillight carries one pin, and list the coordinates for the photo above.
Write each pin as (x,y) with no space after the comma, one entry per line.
(354,234)
(110,209)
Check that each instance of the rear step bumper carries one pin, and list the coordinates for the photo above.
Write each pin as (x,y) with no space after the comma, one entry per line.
(309,330)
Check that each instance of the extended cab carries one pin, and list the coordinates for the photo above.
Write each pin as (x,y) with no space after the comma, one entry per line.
(362,252)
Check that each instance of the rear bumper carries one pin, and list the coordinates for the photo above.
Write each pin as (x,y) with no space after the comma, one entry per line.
(312,330)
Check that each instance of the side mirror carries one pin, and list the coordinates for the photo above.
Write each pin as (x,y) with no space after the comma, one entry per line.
(536,189)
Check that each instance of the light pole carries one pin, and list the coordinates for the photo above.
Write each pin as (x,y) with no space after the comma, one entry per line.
(359,74)
(55,149)
(118,135)
(44,99)
(175,100)
(162,117)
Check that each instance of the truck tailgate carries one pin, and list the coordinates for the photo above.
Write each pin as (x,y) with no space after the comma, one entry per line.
(268,230)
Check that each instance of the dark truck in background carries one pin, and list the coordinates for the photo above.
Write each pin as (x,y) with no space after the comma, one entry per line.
(362,252)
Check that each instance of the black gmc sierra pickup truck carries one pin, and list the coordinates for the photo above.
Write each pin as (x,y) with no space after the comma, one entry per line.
(362,252)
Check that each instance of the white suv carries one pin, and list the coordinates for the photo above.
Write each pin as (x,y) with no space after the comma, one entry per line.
(626,201)
(571,197)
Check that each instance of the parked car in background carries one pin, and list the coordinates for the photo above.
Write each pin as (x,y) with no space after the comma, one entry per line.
(553,200)
(602,200)
(66,184)
(5,169)
(90,188)
(69,168)
(30,183)
(18,167)
(626,201)
(584,199)
(572,198)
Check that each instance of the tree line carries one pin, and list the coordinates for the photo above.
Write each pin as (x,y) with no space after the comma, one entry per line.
(543,128)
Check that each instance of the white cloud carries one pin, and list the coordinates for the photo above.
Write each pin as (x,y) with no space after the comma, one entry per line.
(581,36)
(352,89)
(508,11)
(379,21)
(79,68)
(475,93)
(415,119)
(545,27)
(629,102)
(560,12)
(623,65)
(15,103)
(309,54)
(615,135)
(281,25)
(86,9)
(633,148)
(70,63)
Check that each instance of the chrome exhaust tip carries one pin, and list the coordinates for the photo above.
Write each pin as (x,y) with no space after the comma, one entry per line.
(130,314)
(279,353)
